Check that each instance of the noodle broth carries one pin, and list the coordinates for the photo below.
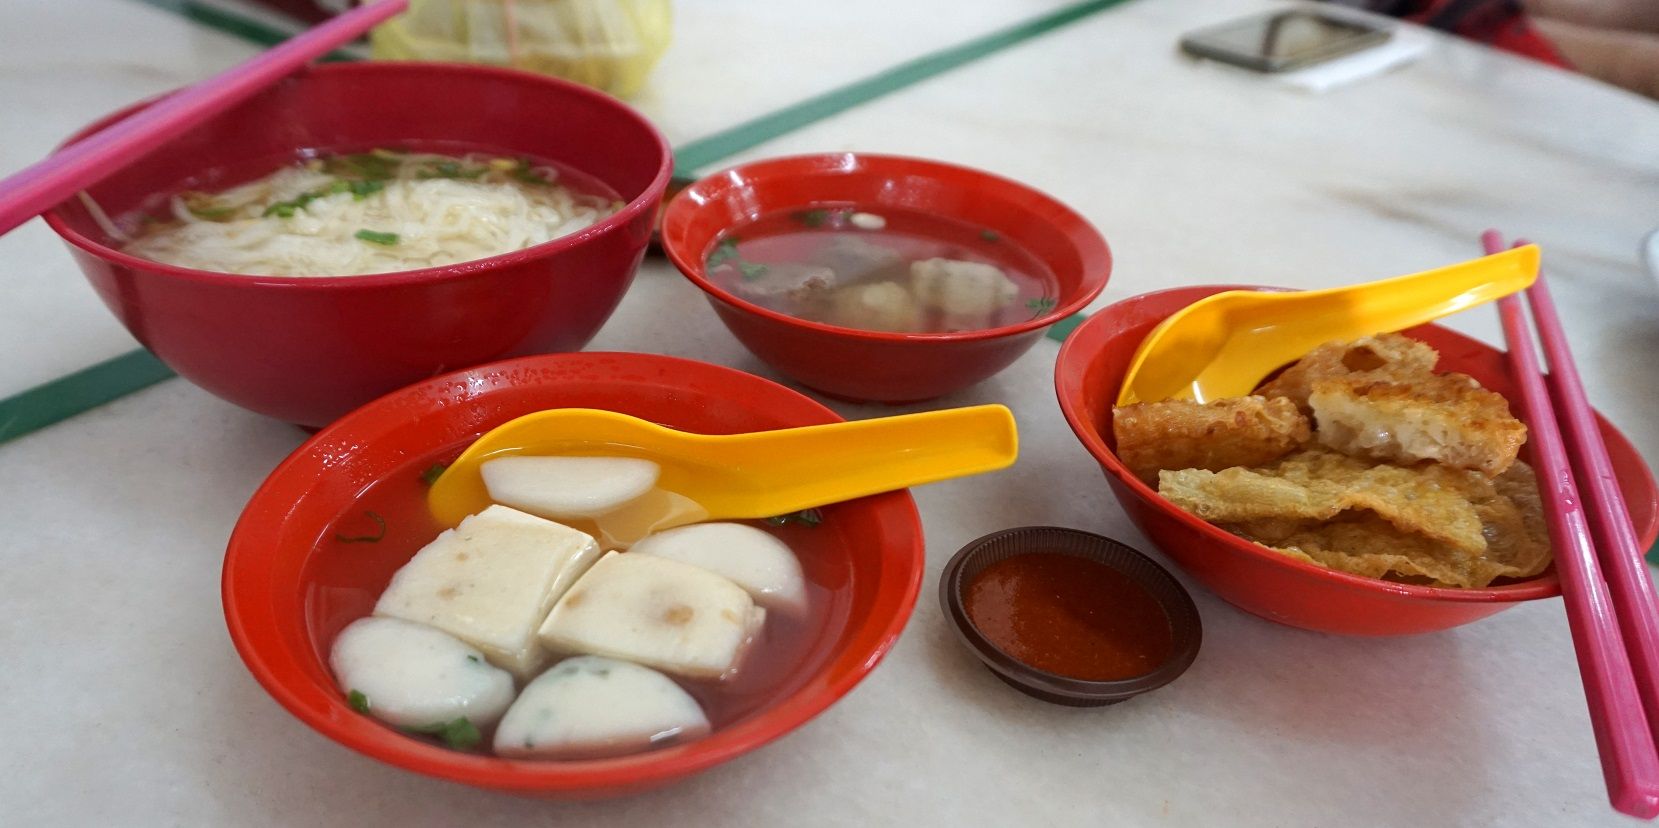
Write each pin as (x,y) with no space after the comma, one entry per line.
(893,269)
(357,213)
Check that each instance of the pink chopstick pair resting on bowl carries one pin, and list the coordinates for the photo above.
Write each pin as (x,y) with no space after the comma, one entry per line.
(36,188)
(1611,607)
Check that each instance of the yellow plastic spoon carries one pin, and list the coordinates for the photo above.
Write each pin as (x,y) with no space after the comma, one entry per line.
(1226,344)
(756,475)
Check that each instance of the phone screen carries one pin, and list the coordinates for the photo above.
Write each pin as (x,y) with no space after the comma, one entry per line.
(1285,39)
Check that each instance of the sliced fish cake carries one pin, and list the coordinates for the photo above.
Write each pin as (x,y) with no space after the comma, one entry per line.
(590,706)
(763,565)
(559,488)
(411,675)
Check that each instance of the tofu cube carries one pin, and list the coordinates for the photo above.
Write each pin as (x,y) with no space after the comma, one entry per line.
(676,617)
(491,582)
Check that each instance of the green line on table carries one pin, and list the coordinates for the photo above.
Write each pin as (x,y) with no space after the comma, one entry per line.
(1062,329)
(247,28)
(83,390)
(757,131)
(89,388)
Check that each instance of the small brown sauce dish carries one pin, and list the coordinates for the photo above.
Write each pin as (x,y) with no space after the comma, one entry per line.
(1070,617)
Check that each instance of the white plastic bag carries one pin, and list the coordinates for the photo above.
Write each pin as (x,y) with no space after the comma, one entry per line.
(607,44)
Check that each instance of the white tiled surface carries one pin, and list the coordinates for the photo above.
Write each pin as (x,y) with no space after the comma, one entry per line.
(130,707)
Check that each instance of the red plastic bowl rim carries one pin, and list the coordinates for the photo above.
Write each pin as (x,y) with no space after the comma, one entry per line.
(1069,368)
(641,204)
(1096,255)
(531,776)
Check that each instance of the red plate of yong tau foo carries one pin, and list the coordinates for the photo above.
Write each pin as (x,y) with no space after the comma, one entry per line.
(1374,487)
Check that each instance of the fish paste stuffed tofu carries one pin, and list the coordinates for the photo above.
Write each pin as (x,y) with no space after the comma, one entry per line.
(1388,356)
(490,582)
(1182,434)
(1447,418)
(673,616)
(1378,397)
(762,565)
(881,306)
(589,707)
(410,675)
(966,294)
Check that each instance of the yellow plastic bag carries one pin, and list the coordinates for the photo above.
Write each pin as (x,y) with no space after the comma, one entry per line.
(607,44)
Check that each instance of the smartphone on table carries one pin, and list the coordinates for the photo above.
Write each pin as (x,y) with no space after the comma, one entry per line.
(1282,41)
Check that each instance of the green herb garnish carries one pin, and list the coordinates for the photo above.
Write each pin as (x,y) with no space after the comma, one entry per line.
(214,214)
(432,473)
(460,734)
(286,209)
(525,173)
(364,165)
(375,538)
(813,218)
(725,251)
(990,235)
(374,237)
(358,189)
(451,169)
(751,271)
(1038,307)
(363,189)
(358,701)
(474,659)
(805,517)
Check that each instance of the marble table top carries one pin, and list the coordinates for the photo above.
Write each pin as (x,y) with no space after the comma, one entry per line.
(130,707)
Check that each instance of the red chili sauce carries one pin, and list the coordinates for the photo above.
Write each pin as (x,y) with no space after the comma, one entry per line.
(1070,616)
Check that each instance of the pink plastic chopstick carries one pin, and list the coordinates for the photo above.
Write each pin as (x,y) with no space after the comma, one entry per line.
(1620,554)
(37,188)
(1628,759)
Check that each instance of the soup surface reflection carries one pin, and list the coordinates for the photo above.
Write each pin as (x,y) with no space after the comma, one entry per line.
(896,270)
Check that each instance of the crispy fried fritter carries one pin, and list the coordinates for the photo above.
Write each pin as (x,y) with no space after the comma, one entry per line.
(1517,535)
(1447,418)
(1365,544)
(1388,356)
(1428,522)
(1413,476)
(1317,485)
(1182,434)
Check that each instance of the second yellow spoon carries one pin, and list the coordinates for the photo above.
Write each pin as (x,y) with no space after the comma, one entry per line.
(755,475)
(1226,344)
